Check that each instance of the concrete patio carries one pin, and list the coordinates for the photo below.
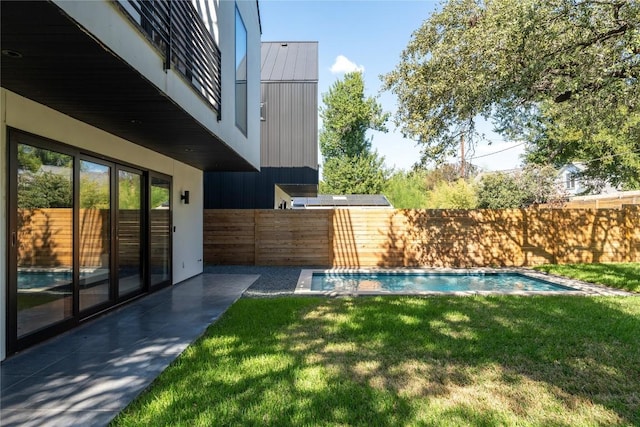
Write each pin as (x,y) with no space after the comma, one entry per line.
(88,375)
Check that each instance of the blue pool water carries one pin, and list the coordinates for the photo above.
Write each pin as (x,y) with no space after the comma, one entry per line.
(430,282)
(43,279)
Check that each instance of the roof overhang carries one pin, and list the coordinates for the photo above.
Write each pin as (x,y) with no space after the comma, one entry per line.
(49,58)
(299,190)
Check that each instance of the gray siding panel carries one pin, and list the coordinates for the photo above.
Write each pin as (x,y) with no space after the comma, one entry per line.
(289,135)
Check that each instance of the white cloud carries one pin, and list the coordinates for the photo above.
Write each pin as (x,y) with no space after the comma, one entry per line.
(345,65)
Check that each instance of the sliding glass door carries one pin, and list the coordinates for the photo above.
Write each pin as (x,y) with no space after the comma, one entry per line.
(41,239)
(85,233)
(95,280)
(130,232)
(160,230)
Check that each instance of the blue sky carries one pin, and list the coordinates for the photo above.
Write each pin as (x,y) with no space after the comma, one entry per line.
(368,35)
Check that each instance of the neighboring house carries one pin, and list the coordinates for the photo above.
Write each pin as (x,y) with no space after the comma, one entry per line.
(111,111)
(289,135)
(569,181)
(350,201)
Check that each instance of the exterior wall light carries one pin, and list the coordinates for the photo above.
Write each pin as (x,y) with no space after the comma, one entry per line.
(184,197)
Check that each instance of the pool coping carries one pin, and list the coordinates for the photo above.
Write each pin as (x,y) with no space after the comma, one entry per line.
(579,287)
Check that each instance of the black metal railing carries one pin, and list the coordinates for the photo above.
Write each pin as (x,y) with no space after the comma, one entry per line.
(177,30)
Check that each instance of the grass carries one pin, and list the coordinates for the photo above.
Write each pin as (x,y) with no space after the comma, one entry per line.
(35,299)
(618,275)
(445,361)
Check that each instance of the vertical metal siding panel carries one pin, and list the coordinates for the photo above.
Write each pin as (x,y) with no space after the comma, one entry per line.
(314,164)
(285,125)
(308,126)
(264,126)
(273,117)
(290,133)
(297,119)
(310,142)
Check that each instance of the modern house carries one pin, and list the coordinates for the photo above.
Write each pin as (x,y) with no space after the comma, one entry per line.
(289,135)
(111,111)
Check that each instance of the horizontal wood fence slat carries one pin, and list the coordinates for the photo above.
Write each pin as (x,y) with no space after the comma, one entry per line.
(444,238)
(45,237)
(354,238)
(613,201)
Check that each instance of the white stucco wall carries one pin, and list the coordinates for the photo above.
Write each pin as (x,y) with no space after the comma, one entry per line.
(187,239)
(107,23)
(23,114)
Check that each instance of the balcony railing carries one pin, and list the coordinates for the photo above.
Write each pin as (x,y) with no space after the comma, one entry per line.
(177,30)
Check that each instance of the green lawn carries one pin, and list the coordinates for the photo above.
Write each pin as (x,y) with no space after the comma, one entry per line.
(618,275)
(377,361)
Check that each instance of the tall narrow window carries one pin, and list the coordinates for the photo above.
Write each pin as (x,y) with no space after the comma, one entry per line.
(241,74)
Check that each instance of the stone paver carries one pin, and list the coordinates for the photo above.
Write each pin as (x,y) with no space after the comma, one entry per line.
(86,376)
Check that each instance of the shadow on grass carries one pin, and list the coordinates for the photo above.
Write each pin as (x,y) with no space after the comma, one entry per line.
(620,275)
(407,361)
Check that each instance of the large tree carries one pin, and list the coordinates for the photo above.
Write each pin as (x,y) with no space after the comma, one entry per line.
(360,174)
(350,166)
(530,65)
(531,186)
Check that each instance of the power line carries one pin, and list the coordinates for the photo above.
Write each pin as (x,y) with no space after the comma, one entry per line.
(607,156)
(499,151)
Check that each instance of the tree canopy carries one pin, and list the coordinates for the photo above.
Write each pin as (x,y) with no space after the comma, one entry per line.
(347,115)
(361,174)
(530,186)
(531,66)
(350,166)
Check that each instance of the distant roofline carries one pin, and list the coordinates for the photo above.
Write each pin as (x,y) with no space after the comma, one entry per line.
(289,41)
(289,62)
(289,81)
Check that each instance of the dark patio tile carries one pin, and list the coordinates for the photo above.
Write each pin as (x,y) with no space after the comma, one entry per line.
(87,376)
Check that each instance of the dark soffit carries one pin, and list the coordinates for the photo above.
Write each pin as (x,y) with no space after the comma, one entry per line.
(63,67)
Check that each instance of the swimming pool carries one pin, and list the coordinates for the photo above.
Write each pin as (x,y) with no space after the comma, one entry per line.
(439,281)
(45,279)
(33,279)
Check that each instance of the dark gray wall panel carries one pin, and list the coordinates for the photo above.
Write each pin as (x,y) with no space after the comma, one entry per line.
(251,190)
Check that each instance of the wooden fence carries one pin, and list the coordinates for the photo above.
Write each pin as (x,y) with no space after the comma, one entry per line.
(392,238)
(604,202)
(352,238)
(45,237)
(267,237)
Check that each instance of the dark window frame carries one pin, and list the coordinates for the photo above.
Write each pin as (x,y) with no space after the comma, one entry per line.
(17,136)
(244,106)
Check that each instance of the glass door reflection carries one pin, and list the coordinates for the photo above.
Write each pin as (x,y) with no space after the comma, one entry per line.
(95,234)
(160,231)
(130,232)
(44,238)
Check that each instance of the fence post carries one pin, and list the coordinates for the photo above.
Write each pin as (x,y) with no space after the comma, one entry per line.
(255,237)
(556,233)
(631,233)
(330,219)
